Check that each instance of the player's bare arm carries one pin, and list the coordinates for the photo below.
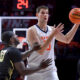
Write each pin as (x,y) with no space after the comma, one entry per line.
(26,54)
(69,36)
(27,71)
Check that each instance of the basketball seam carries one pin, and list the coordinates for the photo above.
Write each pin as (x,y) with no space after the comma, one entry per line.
(74,17)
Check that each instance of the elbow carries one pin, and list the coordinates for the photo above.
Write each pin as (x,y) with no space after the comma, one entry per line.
(67,42)
(22,73)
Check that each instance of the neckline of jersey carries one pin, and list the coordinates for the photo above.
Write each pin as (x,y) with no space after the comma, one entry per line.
(41,29)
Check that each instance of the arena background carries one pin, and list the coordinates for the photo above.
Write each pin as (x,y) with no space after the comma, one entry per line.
(67,56)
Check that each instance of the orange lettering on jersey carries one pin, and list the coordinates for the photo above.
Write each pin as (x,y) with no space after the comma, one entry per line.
(43,38)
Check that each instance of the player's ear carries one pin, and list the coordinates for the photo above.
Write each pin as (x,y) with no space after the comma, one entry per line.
(11,39)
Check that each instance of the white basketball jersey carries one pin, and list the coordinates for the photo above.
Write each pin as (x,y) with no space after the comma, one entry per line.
(35,59)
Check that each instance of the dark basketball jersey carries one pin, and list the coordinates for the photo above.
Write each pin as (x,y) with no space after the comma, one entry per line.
(8,56)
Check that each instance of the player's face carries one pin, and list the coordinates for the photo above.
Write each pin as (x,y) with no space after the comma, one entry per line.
(15,40)
(43,15)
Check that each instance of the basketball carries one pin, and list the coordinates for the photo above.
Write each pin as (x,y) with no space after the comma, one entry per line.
(74,15)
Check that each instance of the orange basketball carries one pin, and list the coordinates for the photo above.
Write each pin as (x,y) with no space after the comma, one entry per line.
(74,15)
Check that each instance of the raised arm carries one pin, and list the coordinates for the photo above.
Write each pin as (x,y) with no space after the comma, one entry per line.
(72,32)
(69,36)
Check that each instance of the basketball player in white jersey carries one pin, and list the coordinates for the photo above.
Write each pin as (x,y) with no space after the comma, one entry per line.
(45,35)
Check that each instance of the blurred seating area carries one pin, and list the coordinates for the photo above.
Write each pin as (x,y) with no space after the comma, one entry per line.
(68,51)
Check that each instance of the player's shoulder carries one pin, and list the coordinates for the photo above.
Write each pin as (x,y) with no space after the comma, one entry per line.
(12,49)
(31,28)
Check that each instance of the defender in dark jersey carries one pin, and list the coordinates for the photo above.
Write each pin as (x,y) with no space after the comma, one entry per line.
(11,57)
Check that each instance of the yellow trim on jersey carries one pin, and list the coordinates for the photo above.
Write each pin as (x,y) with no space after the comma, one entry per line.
(2,54)
(10,70)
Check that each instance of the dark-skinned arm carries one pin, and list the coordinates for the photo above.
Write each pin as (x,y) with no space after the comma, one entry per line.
(27,53)
(27,71)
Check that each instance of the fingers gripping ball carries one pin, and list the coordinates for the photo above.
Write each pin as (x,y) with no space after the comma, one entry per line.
(74,15)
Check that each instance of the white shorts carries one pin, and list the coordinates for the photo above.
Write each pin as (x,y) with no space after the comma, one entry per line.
(43,76)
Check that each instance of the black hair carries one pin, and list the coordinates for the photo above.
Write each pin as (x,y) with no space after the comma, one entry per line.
(6,36)
(41,7)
